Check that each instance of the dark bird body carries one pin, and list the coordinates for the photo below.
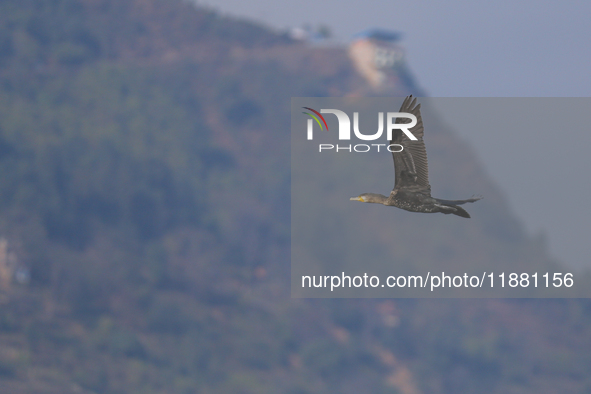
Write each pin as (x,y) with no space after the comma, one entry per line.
(412,191)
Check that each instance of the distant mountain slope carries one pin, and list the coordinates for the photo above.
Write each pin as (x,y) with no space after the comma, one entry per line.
(145,183)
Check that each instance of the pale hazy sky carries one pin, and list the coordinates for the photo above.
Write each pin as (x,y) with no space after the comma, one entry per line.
(464,48)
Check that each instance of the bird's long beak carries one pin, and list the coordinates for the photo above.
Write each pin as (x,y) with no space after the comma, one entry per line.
(356,199)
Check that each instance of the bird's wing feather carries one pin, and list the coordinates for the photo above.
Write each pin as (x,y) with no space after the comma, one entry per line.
(410,165)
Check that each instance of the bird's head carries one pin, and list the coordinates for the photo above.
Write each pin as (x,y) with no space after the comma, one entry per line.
(361,197)
(370,197)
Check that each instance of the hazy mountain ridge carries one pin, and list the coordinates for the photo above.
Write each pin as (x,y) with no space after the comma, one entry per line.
(145,183)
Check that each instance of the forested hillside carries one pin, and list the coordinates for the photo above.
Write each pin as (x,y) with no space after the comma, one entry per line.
(145,186)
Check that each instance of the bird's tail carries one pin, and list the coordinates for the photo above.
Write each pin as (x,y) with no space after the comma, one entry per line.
(458,202)
(454,209)
(460,211)
(452,206)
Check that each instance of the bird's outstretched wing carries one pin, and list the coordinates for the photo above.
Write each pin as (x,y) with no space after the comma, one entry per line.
(410,165)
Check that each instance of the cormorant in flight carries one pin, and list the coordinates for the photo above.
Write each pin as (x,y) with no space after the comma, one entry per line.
(412,191)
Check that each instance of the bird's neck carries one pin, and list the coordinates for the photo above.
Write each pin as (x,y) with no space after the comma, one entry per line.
(377,198)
